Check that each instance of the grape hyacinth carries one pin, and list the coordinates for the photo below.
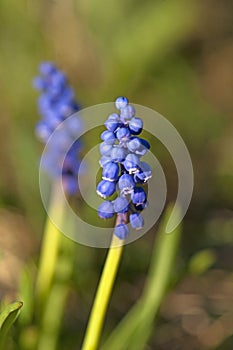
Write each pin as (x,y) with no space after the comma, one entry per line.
(55,104)
(123,171)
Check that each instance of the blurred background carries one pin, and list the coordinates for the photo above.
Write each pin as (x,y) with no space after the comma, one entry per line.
(174,57)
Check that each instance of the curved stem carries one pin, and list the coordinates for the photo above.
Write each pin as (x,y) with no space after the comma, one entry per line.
(103,294)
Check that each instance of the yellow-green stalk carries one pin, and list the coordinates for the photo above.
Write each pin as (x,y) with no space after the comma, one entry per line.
(103,294)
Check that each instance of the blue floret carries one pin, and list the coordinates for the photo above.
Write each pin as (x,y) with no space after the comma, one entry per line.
(121,231)
(136,221)
(106,188)
(121,205)
(121,102)
(110,172)
(106,210)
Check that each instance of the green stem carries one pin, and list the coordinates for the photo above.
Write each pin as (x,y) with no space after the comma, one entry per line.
(55,304)
(49,250)
(55,270)
(103,294)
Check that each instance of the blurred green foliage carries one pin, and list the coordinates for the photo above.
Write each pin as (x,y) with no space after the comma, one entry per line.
(7,317)
(172,56)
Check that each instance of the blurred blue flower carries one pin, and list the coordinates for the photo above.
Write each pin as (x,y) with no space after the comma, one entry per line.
(55,104)
(123,171)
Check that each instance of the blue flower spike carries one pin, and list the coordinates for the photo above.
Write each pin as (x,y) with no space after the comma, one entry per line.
(55,104)
(123,170)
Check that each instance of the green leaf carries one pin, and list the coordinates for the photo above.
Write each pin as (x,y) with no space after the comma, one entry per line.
(7,318)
